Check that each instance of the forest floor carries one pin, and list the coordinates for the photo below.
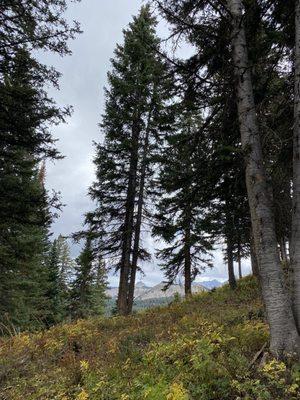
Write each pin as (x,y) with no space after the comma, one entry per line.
(210,347)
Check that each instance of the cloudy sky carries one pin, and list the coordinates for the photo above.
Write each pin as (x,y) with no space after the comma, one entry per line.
(84,76)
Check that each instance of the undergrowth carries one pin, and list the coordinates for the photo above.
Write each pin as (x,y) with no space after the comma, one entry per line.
(206,348)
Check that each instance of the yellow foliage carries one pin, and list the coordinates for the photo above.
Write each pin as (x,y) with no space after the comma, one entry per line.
(83,395)
(84,365)
(177,392)
(197,349)
(274,369)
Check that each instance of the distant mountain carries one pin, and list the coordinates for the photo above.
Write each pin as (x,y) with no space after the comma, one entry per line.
(212,284)
(157,291)
(140,289)
(143,292)
(112,292)
(140,284)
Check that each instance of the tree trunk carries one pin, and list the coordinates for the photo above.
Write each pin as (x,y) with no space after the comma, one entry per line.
(128,224)
(239,261)
(187,262)
(231,276)
(137,232)
(254,262)
(295,237)
(284,335)
(283,251)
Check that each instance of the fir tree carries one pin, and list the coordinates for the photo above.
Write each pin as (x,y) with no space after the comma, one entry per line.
(183,219)
(23,247)
(26,112)
(133,114)
(60,267)
(250,38)
(88,288)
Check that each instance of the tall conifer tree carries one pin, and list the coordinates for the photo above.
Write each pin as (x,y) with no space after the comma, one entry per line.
(26,111)
(183,219)
(133,116)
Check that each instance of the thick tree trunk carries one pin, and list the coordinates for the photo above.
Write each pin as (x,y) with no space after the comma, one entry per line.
(231,276)
(284,335)
(187,263)
(295,239)
(254,262)
(128,224)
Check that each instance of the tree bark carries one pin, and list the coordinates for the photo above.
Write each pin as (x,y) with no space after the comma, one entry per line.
(295,237)
(284,335)
(283,251)
(128,223)
(254,262)
(231,276)
(138,224)
(187,262)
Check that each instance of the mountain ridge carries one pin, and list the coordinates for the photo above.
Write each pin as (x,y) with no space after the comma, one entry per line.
(144,292)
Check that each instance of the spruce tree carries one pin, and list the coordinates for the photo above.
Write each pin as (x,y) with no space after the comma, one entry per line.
(183,218)
(26,112)
(23,247)
(248,35)
(133,115)
(88,288)
(61,268)
(56,309)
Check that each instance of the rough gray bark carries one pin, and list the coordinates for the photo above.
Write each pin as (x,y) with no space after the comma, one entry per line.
(284,335)
(295,237)
(254,262)
(283,251)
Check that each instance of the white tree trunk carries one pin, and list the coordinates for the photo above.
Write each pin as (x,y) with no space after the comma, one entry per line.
(295,240)
(284,335)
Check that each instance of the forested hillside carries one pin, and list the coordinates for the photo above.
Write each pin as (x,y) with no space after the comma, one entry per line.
(195,169)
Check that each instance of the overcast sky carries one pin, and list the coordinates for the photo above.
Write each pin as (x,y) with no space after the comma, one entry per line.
(84,76)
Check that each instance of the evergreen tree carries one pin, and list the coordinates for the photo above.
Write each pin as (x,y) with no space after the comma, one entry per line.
(26,112)
(88,288)
(183,219)
(134,114)
(65,262)
(60,269)
(23,247)
(36,25)
(57,310)
(247,34)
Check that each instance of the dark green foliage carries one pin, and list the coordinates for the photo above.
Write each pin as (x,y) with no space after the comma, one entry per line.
(184,217)
(88,288)
(26,112)
(133,120)
(269,30)
(60,269)
(37,25)
(23,247)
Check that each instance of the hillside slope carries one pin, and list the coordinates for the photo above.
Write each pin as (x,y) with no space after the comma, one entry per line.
(200,349)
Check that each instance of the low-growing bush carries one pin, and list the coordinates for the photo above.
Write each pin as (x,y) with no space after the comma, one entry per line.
(209,347)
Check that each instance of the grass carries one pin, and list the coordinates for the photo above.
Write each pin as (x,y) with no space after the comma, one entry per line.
(200,349)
